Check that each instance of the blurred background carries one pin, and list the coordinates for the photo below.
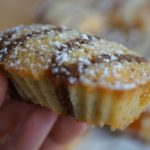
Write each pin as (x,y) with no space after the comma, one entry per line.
(124,21)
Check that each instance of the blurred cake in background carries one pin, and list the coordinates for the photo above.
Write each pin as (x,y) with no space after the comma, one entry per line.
(79,14)
(123,21)
(129,14)
(129,24)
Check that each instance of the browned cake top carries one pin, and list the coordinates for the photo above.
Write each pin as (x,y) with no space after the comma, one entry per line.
(71,56)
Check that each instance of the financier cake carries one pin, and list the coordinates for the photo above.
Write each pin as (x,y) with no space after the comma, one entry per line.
(79,14)
(76,74)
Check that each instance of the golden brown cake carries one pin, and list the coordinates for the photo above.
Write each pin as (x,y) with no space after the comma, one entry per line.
(76,74)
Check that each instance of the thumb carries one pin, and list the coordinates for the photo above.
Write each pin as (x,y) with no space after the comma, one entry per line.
(3,87)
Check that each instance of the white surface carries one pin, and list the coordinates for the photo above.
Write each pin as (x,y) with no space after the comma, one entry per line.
(98,139)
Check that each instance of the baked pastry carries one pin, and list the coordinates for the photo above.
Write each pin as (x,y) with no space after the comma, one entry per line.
(79,14)
(76,74)
(131,14)
(141,126)
(129,24)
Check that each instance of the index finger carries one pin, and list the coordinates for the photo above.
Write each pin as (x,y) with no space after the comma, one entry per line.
(3,88)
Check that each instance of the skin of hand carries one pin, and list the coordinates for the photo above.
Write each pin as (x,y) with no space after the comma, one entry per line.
(28,127)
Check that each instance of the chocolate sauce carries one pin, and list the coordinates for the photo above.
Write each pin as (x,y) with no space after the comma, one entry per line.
(63,72)
(63,97)
(75,43)
(60,82)
(129,58)
(121,58)
(4,42)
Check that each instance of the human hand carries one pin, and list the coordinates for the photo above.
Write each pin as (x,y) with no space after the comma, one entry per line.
(28,127)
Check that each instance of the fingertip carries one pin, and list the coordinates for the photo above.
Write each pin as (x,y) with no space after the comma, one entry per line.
(67,129)
(3,87)
(35,129)
(74,124)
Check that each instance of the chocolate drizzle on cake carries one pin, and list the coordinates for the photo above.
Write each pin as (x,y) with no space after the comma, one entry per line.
(63,97)
(8,43)
(129,58)
(4,42)
(121,58)
(60,82)
(78,42)
(71,73)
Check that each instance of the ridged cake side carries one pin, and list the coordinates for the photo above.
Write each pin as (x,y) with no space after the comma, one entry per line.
(98,106)
(103,106)
(38,92)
